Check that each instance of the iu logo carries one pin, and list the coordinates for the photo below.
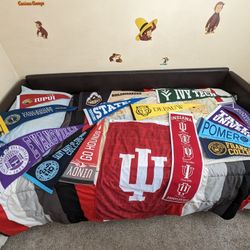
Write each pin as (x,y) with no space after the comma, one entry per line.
(183,189)
(184,138)
(187,171)
(183,126)
(142,169)
(187,153)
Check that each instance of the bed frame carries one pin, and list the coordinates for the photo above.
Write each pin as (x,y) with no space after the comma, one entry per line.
(135,80)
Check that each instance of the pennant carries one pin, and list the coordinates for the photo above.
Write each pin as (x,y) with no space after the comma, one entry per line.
(217,149)
(15,118)
(92,99)
(3,128)
(186,170)
(211,130)
(28,100)
(177,95)
(99,112)
(20,155)
(239,111)
(221,117)
(46,173)
(82,167)
(144,111)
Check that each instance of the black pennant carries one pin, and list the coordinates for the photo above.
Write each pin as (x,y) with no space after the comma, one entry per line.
(46,173)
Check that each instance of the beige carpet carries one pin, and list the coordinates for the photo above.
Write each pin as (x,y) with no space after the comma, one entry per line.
(2,240)
(199,231)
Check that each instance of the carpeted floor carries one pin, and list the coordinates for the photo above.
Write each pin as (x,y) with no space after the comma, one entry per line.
(200,231)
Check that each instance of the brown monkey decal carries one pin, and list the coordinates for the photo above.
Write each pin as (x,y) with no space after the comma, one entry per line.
(214,20)
(40,30)
(115,58)
(145,29)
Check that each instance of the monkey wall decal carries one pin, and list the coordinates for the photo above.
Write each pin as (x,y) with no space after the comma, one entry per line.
(40,30)
(214,20)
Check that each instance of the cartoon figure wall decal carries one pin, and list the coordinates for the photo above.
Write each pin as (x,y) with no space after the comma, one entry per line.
(145,29)
(165,60)
(115,58)
(40,30)
(214,20)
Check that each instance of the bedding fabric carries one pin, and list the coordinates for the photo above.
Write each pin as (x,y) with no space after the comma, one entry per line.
(133,168)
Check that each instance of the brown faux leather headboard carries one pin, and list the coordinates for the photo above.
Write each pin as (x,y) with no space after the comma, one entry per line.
(137,80)
(124,80)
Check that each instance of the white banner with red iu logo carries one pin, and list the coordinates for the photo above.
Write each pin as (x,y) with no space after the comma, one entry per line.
(187,161)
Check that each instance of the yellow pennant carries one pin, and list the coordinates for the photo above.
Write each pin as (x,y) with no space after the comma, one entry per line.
(144,111)
(3,128)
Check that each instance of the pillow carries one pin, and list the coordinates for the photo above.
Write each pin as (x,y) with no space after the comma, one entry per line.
(38,98)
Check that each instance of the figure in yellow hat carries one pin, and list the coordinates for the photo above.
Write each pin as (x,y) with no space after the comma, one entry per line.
(145,29)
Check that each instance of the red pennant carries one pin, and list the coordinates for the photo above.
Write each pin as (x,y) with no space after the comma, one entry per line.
(187,162)
(29,100)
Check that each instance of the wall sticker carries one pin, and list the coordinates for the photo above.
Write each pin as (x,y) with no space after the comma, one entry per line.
(41,32)
(31,3)
(214,20)
(145,29)
(115,58)
(164,60)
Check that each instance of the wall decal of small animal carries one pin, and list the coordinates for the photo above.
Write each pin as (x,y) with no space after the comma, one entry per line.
(40,30)
(165,60)
(214,20)
(115,58)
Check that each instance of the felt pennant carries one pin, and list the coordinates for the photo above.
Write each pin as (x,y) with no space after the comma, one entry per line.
(82,167)
(46,173)
(29,100)
(239,111)
(211,130)
(186,170)
(20,155)
(144,111)
(3,128)
(177,95)
(218,149)
(97,113)
(222,117)
(15,118)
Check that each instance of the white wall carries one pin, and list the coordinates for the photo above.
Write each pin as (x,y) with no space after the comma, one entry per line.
(83,34)
(8,76)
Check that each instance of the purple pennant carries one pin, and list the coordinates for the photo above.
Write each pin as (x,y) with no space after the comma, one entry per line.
(240,112)
(18,156)
(222,117)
